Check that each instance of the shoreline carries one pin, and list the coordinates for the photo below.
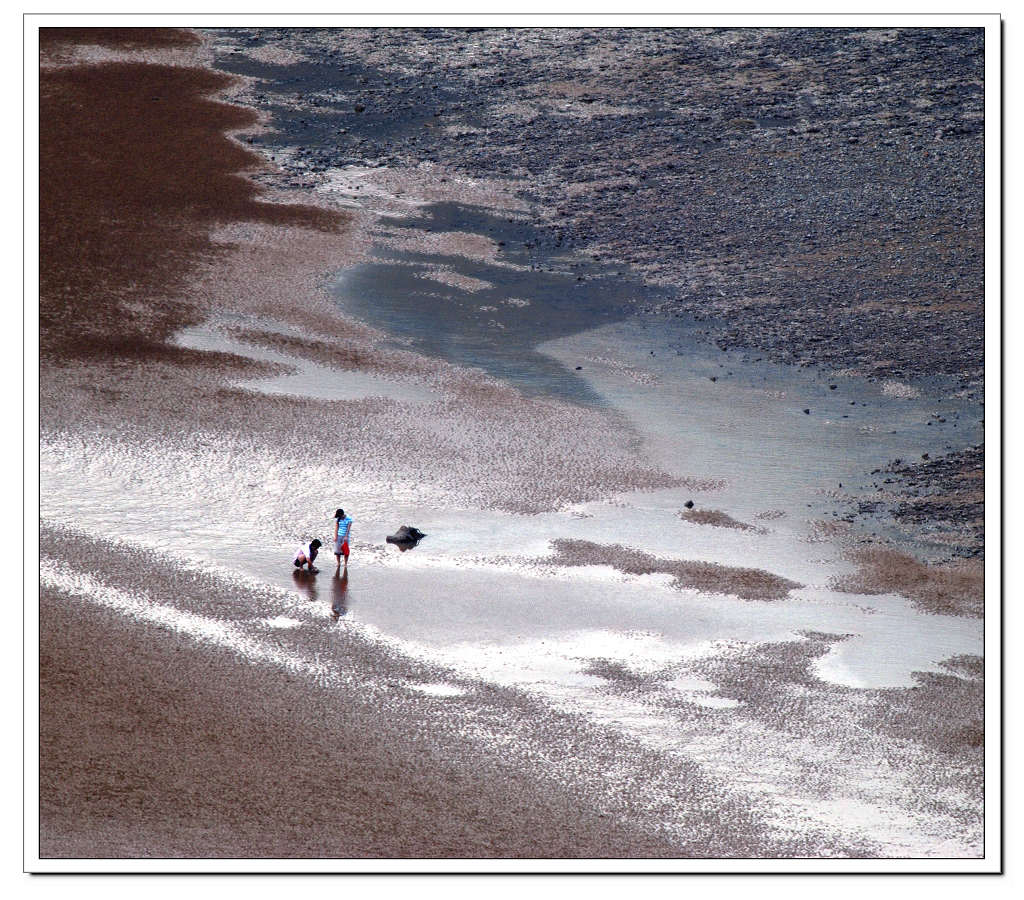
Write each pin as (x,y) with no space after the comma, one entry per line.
(485,766)
(117,413)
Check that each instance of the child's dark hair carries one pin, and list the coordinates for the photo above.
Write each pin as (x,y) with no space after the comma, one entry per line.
(315,543)
(339,513)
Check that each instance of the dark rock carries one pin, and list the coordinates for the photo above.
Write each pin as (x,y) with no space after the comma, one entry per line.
(688,504)
(407,535)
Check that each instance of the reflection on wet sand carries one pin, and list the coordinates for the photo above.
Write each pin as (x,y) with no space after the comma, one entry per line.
(339,594)
(405,538)
(403,545)
(305,583)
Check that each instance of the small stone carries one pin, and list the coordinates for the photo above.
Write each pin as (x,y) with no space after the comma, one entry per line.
(688,504)
(807,412)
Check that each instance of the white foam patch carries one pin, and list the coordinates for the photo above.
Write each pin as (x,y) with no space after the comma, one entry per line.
(438,689)
(700,692)
(280,622)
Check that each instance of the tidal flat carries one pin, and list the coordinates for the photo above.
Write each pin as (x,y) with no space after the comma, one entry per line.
(670,342)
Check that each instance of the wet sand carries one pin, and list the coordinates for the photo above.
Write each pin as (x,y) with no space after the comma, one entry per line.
(150,747)
(129,204)
(162,736)
(157,743)
(153,747)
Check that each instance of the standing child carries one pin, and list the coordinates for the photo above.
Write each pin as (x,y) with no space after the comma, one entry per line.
(342,530)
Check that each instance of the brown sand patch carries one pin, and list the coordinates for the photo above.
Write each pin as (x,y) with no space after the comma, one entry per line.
(748,584)
(57,40)
(703,485)
(78,46)
(615,672)
(455,279)
(945,710)
(447,243)
(135,172)
(960,498)
(953,590)
(276,272)
(715,518)
(826,530)
(340,355)
(151,746)
(773,681)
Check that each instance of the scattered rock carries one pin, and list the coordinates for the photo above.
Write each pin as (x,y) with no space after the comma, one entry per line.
(406,535)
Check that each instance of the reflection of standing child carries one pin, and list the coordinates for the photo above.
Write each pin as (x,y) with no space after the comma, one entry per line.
(339,590)
(342,530)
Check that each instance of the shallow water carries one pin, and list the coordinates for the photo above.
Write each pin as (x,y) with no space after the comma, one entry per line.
(477,594)
(523,623)
(507,305)
(795,440)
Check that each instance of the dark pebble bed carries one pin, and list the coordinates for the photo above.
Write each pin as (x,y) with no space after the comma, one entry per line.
(809,196)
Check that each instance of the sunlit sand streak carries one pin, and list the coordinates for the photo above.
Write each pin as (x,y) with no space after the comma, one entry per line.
(201,628)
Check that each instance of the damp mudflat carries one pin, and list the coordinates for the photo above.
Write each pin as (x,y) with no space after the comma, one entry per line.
(773,450)
(630,535)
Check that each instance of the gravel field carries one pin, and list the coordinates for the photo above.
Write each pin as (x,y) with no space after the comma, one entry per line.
(812,196)
(815,194)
